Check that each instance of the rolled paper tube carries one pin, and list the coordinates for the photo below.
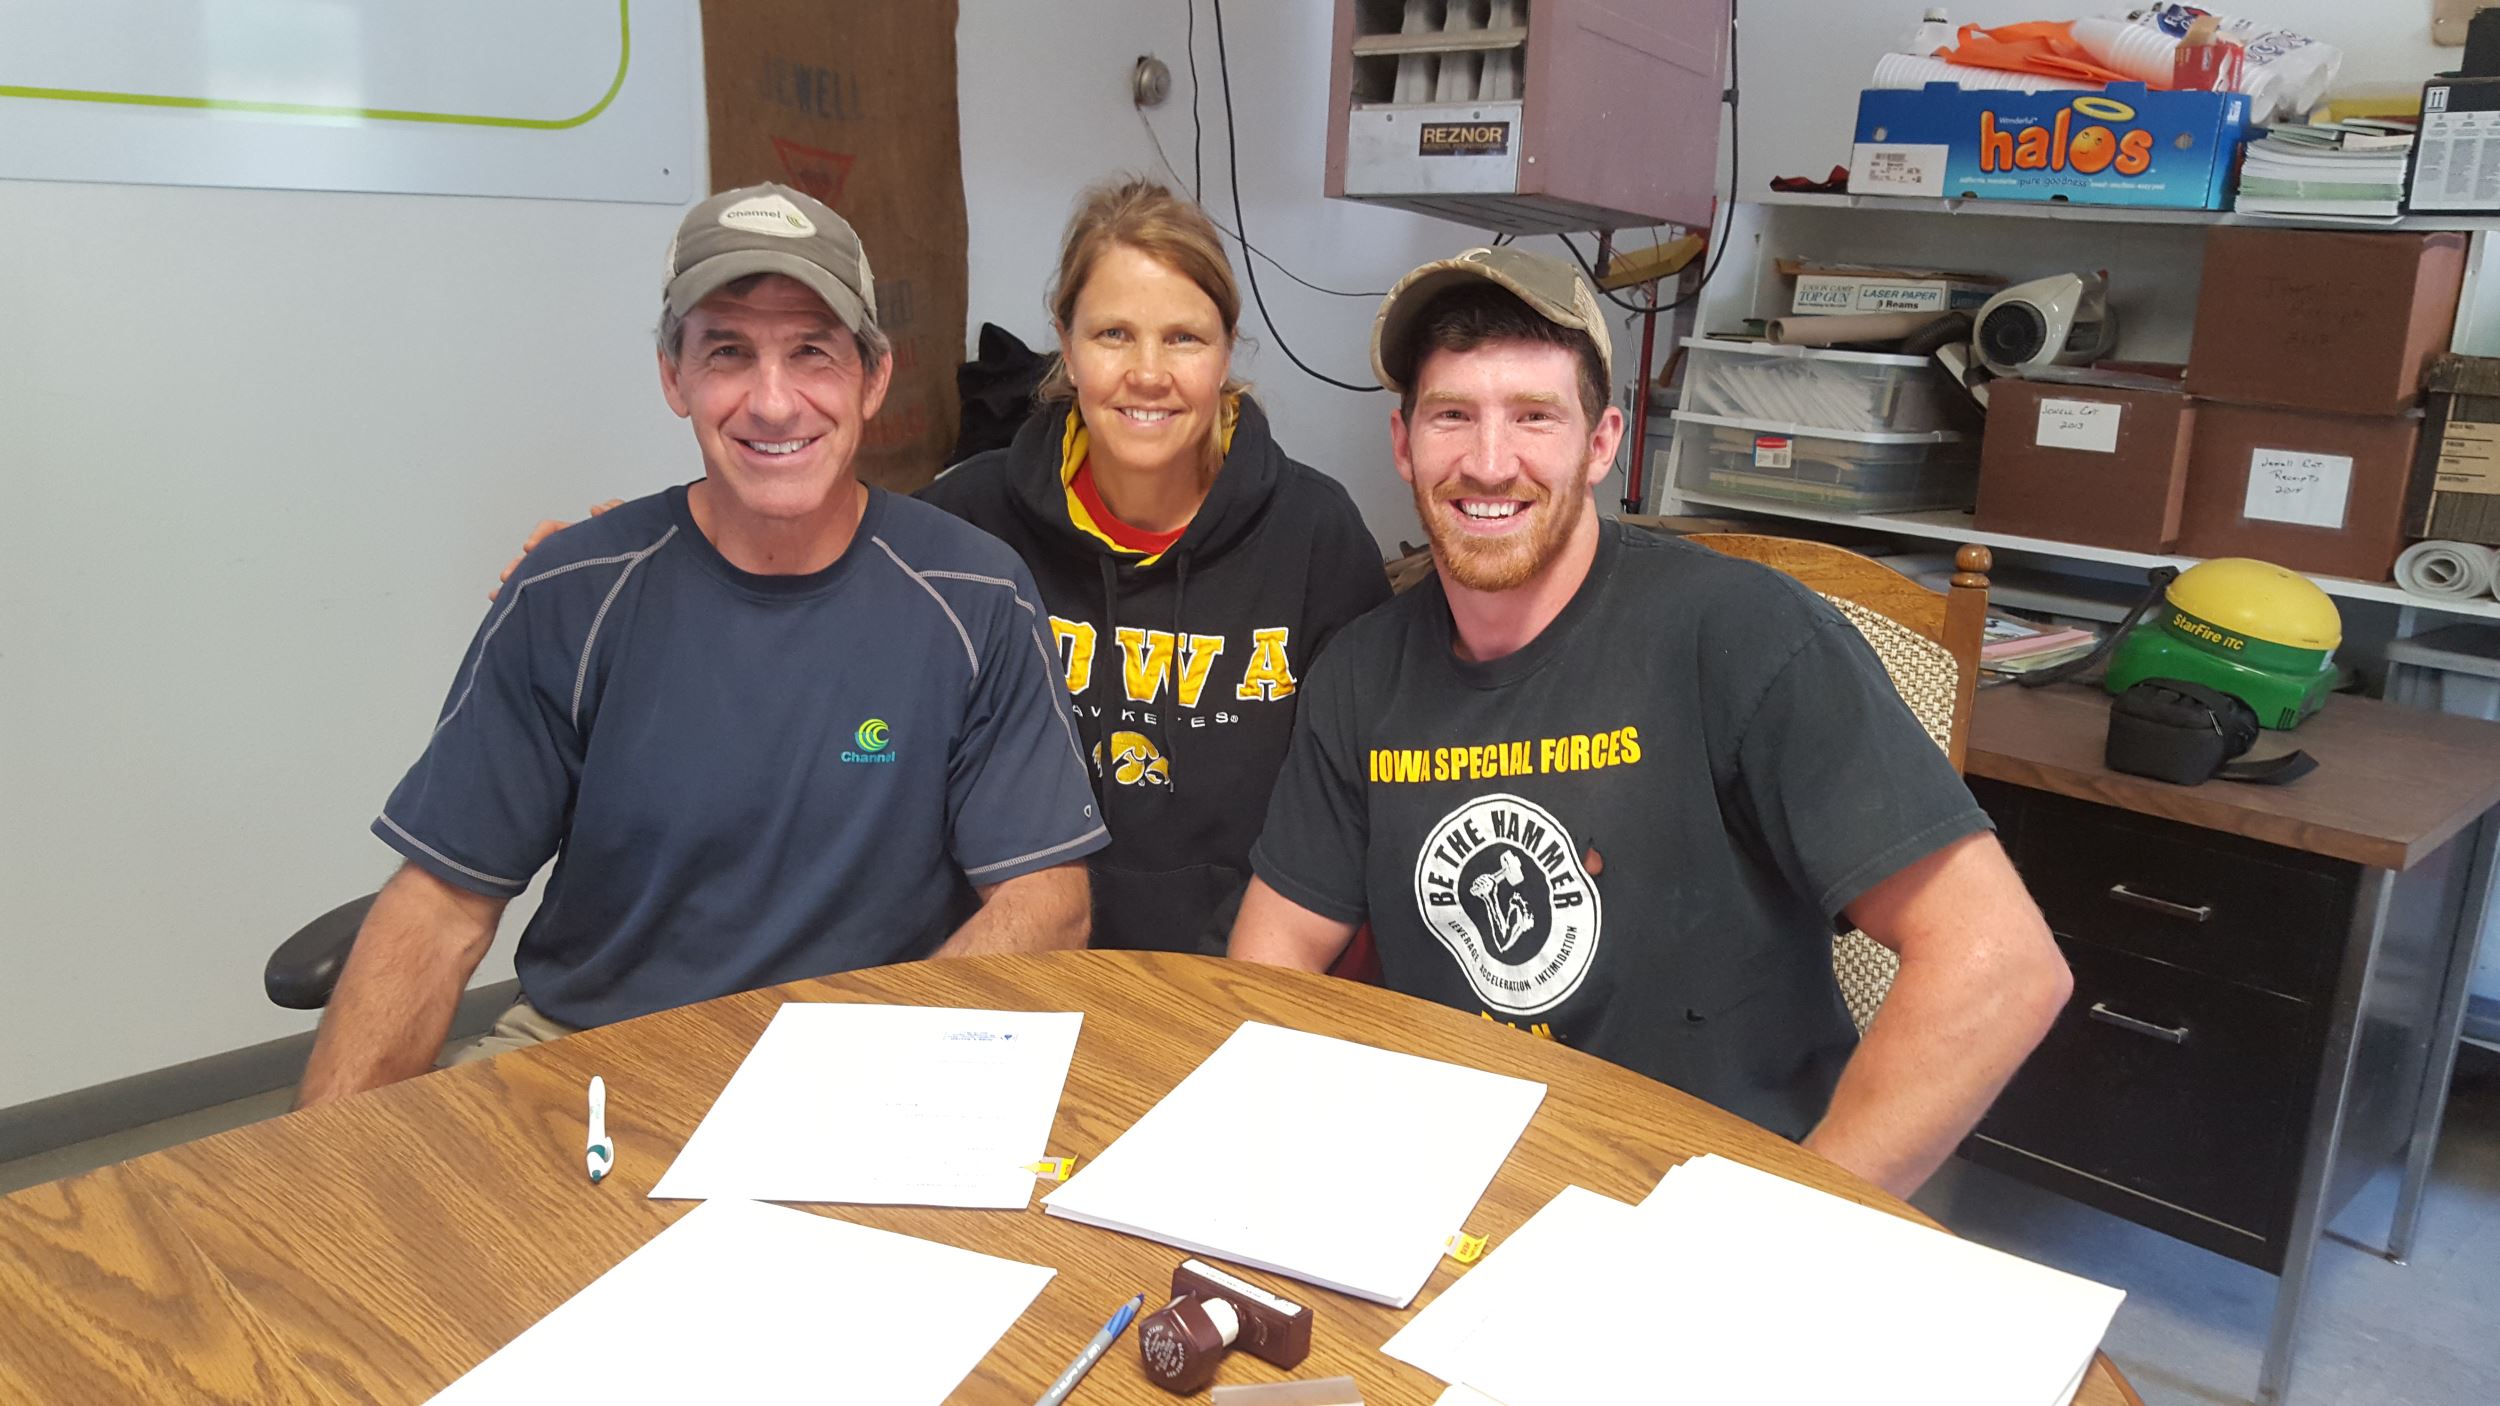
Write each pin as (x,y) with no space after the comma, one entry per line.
(1836,331)
(2449,570)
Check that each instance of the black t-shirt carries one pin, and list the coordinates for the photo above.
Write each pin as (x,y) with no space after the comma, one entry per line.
(1633,835)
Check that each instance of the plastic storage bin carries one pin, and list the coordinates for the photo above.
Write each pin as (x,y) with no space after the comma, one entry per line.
(1867,473)
(1826,391)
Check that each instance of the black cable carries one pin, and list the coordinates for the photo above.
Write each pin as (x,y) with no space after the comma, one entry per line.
(1197,128)
(1232,161)
(1598,281)
(1273,262)
(1735,156)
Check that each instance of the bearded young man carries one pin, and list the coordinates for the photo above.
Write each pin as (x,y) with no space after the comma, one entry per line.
(1620,790)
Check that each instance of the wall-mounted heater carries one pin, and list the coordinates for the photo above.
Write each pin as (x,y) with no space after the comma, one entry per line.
(1531,116)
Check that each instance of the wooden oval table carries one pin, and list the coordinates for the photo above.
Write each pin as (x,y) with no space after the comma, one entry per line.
(376,1248)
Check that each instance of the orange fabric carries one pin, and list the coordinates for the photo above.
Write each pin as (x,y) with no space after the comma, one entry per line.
(1135,539)
(2044,47)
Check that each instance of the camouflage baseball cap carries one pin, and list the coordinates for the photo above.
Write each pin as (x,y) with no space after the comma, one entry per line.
(1553,289)
(771,229)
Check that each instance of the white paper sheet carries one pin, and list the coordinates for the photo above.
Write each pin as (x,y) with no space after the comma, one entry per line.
(739,1301)
(1898,168)
(1324,1160)
(883,1105)
(2090,425)
(1498,1294)
(2290,485)
(1746,1287)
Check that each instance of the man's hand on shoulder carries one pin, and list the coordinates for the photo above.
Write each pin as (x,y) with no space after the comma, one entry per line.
(546,528)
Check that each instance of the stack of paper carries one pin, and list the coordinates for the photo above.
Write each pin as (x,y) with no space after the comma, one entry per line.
(883,1105)
(1740,1287)
(745,1302)
(2344,170)
(1323,1160)
(2016,646)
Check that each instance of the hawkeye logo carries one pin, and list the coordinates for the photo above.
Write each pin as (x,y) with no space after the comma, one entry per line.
(872,741)
(2057,146)
(1501,885)
(1134,761)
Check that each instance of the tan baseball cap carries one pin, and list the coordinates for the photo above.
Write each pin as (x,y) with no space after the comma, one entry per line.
(1553,289)
(771,229)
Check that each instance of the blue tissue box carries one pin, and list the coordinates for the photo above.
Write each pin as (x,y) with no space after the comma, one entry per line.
(2126,146)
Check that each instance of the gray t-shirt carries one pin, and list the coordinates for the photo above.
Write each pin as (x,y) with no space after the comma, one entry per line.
(1632,836)
(745,779)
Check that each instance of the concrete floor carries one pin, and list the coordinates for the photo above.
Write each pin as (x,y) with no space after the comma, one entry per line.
(2193,1328)
(2194,1324)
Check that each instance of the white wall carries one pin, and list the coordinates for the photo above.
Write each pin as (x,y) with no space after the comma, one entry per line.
(263,452)
(1805,60)
(1046,111)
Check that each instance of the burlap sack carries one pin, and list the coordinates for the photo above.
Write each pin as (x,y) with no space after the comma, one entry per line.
(853,101)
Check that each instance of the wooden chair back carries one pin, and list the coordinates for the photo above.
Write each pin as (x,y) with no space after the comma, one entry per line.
(1929,645)
(1956,618)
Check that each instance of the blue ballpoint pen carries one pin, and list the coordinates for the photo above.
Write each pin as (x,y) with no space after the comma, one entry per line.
(1093,1352)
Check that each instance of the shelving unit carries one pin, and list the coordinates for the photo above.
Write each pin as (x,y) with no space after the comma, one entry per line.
(2155,261)
(1956,527)
(2111,214)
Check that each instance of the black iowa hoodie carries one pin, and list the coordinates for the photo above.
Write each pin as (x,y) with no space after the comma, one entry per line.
(1184,673)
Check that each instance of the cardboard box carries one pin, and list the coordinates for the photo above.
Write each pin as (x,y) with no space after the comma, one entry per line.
(2091,464)
(2122,146)
(2455,493)
(2323,319)
(2321,494)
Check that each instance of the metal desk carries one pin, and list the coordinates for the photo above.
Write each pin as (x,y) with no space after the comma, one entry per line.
(2364,985)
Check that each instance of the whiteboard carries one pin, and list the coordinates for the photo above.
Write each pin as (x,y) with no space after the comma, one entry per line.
(564,99)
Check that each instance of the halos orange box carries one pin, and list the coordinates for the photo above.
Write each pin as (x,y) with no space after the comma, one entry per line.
(2126,145)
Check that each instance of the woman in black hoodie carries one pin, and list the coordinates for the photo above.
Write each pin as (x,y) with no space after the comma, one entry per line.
(1191,570)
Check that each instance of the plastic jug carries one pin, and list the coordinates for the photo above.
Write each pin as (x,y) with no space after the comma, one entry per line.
(1934,32)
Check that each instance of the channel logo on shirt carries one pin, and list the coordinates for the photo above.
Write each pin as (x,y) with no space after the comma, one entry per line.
(874,745)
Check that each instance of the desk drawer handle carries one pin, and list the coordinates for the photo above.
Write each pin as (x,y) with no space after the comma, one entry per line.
(2200,913)
(2175,1034)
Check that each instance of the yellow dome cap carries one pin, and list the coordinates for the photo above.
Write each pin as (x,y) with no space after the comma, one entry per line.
(2260,600)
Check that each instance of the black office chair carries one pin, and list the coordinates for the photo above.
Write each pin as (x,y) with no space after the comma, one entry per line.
(305,969)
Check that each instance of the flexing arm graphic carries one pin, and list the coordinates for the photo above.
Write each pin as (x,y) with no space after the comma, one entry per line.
(1505,907)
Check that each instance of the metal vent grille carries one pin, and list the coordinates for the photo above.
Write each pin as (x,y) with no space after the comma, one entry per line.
(1412,52)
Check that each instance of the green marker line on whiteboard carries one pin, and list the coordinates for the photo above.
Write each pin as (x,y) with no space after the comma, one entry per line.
(624,59)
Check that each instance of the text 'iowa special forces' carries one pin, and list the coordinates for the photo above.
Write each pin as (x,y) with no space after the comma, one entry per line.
(1579,751)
